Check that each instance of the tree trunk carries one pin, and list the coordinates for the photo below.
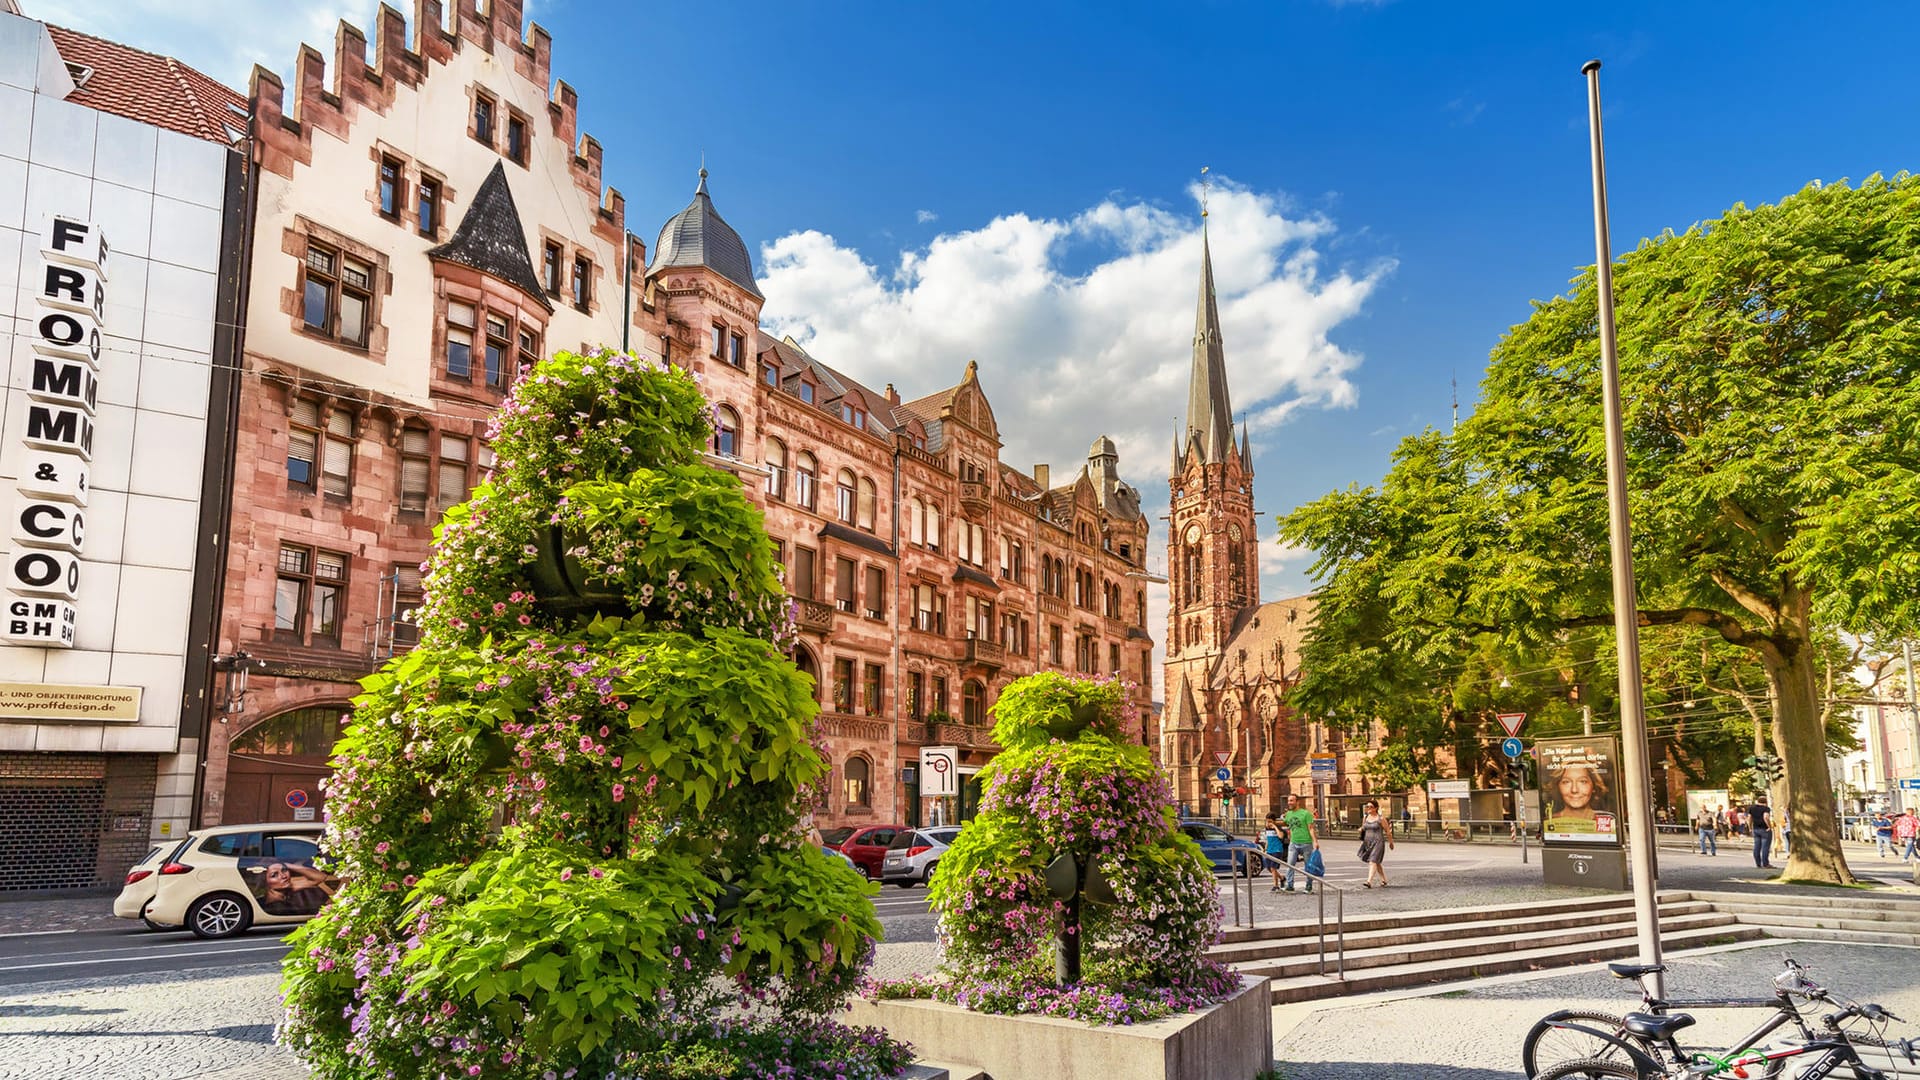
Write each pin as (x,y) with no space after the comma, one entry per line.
(1801,739)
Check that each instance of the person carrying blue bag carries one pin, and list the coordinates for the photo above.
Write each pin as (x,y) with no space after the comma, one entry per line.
(1302,844)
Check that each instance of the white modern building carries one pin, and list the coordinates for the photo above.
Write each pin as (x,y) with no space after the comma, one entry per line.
(121,231)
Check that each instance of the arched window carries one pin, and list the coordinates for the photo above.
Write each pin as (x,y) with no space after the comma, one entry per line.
(1192,574)
(300,733)
(933,526)
(867,504)
(917,522)
(857,776)
(726,432)
(803,661)
(776,469)
(844,496)
(973,703)
(806,476)
(1237,569)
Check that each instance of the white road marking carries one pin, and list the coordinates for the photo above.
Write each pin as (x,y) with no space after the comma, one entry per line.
(257,947)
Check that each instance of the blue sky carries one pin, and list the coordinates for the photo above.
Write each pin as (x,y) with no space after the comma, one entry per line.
(1015,183)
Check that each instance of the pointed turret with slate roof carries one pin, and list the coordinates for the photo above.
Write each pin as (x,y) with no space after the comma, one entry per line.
(699,237)
(492,240)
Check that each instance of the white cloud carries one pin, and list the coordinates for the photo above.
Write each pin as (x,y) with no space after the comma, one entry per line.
(223,38)
(925,217)
(1068,355)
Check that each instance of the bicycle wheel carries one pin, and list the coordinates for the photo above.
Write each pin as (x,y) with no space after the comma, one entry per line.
(1591,1070)
(1547,1045)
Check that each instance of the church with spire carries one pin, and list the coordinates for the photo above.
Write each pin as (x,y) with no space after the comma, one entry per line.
(1230,658)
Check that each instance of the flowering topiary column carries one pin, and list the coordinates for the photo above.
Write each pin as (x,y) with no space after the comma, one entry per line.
(568,821)
(1069,798)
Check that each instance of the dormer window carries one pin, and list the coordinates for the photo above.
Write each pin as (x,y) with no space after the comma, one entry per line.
(806,392)
(856,417)
(771,374)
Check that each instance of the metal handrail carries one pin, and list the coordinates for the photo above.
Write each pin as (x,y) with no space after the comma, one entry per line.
(1242,859)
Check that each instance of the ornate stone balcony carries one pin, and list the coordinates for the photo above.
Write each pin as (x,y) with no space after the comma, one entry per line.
(985,653)
(812,615)
(838,725)
(975,496)
(1052,605)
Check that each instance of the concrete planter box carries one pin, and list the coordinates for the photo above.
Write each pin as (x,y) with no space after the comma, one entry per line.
(1230,1041)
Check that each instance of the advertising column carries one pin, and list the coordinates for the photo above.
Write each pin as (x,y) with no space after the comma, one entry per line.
(1582,818)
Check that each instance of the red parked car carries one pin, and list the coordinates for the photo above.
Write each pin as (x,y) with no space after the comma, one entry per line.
(868,847)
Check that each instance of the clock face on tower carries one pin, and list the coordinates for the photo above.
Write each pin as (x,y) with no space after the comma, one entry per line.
(1233,532)
(1193,534)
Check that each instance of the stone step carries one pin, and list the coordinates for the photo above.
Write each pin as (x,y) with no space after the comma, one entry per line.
(1817,930)
(1421,918)
(941,1070)
(1514,936)
(1313,987)
(1849,900)
(1270,948)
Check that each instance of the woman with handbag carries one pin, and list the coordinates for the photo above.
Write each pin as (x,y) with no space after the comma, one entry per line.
(1375,839)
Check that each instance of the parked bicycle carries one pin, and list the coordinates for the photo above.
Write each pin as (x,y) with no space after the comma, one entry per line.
(1581,1043)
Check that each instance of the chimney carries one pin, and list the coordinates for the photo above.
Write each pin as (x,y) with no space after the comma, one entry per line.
(893,396)
(1040,476)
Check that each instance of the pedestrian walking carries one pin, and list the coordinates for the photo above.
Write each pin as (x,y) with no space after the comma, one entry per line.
(1376,837)
(1720,821)
(1760,819)
(1301,841)
(1883,832)
(1406,821)
(1276,845)
(1906,830)
(1703,825)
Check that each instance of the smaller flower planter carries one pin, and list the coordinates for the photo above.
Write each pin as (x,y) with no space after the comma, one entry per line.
(1232,1040)
(562,581)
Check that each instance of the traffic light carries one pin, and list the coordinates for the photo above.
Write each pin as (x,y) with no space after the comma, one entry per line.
(1770,767)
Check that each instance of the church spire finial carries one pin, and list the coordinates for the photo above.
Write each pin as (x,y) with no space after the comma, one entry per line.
(1209,407)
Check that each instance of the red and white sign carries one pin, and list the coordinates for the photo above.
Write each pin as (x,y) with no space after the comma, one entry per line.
(1220,757)
(1512,721)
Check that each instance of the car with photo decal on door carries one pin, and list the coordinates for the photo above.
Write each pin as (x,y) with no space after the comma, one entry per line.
(227,878)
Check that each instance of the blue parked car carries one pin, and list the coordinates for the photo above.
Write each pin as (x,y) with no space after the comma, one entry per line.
(1217,844)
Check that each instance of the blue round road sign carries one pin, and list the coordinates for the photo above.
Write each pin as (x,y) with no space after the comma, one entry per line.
(1223,774)
(1512,746)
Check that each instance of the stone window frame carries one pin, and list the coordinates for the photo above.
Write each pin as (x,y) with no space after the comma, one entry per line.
(385,163)
(307,575)
(721,411)
(776,485)
(478,97)
(429,188)
(423,457)
(515,116)
(322,431)
(295,241)
(865,802)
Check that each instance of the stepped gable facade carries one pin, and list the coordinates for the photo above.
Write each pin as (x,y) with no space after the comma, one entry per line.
(1231,659)
(424,225)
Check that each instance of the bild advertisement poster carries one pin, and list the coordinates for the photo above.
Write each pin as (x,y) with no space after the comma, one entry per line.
(1580,790)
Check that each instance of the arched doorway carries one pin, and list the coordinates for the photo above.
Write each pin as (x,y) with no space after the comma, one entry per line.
(810,667)
(275,759)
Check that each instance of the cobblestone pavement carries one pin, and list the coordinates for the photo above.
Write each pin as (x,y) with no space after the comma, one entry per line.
(76,913)
(184,1026)
(1475,1034)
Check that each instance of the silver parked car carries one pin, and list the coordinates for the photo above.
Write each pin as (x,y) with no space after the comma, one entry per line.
(914,853)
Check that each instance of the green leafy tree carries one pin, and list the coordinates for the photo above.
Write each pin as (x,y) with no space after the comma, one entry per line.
(1773,441)
(602,670)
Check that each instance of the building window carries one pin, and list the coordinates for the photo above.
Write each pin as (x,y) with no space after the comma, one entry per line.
(1054,645)
(856,775)
(917,694)
(876,593)
(416,466)
(529,349)
(870,690)
(929,610)
(844,584)
(307,595)
(736,350)
(516,139)
(499,340)
(454,452)
(867,504)
(582,282)
(845,496)
(933,526)
(776,469)
(303,442)
(407,598)
(337,463)
(772,376)
(461,321)
(726,432)
(805,480)
(483,118)
(337,295)
(973,703)
(391,192)
(716,334)
(429,207)
(937,701)
(843,685)
(550,268)
(804,561)
(1113,659)
(806,392)
(917,521)
(856,417)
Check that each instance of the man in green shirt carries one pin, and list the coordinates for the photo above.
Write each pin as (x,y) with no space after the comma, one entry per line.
(1298,823)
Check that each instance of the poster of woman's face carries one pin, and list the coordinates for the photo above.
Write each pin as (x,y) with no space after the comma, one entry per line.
(287,886)
(1578,781)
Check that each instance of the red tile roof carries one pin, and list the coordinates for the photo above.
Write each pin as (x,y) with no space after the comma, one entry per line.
(152,89)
